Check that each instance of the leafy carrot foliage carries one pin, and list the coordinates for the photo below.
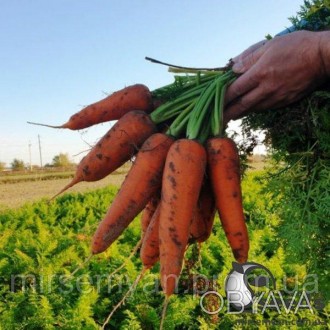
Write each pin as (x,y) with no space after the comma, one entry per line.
(41,244)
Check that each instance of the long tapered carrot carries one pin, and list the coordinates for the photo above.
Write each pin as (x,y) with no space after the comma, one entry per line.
(224,170)
(113,107)
(182,179)
(150,249)
(115,148)
(203,218)
(141,183)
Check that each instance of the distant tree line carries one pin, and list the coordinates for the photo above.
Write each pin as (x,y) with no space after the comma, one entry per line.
(60,160)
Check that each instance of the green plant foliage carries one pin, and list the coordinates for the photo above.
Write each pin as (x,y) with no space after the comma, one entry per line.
(300,179)
(313,15)
(298,182)
(42,244)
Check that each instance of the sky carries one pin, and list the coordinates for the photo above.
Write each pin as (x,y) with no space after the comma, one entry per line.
(60,55)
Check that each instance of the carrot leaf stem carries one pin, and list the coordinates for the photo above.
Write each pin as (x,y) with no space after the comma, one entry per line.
(197,106)
(215,118)
(180,122)
(170,108)
(196,119)
(181,85)
(205,129)
(217,125)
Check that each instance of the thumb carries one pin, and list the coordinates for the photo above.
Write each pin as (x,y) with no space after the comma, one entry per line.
(249,57)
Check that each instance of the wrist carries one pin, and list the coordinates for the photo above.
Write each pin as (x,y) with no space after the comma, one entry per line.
(325,51)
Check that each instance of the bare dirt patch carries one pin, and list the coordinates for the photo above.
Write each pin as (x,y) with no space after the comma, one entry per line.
(14,195)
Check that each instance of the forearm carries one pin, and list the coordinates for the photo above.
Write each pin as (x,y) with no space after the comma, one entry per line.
(325,51)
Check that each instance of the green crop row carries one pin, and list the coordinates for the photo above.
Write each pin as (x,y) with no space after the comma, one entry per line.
(42,244)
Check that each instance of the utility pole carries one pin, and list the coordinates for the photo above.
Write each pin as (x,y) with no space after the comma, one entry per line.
(30,155)
(40,151)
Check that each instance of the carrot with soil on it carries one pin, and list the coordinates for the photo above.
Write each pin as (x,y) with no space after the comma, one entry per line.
(199,126)
(225,176)
(141,183)
(203,218)
(182,179)
(113,107)
(224,171)
(131,98)
(115,148)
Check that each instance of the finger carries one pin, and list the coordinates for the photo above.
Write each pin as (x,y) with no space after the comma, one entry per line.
(249,50)
(240,86)
(258,101)
(278,101)
(248,102)
(247,59)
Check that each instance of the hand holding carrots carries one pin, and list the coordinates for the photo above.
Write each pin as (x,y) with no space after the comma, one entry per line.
(278,72)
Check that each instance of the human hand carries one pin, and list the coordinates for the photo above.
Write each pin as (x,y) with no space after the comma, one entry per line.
(278,72)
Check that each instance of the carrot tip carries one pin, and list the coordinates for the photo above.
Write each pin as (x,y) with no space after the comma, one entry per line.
(167,299)
(45,125)
(69,185)
(79,267)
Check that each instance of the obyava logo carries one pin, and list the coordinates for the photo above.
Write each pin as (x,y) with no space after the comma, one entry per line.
(238,284)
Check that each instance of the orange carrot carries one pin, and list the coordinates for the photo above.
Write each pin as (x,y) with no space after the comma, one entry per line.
(147,213)
(203,218)
(181,184)
(115,148)
(224,170)
(141,183)
(149,252)
(113,107)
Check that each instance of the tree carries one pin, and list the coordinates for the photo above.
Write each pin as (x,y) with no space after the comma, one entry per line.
(61,160)
(17,165)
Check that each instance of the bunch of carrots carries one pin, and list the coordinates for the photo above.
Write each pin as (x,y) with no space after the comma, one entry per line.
(185,169)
